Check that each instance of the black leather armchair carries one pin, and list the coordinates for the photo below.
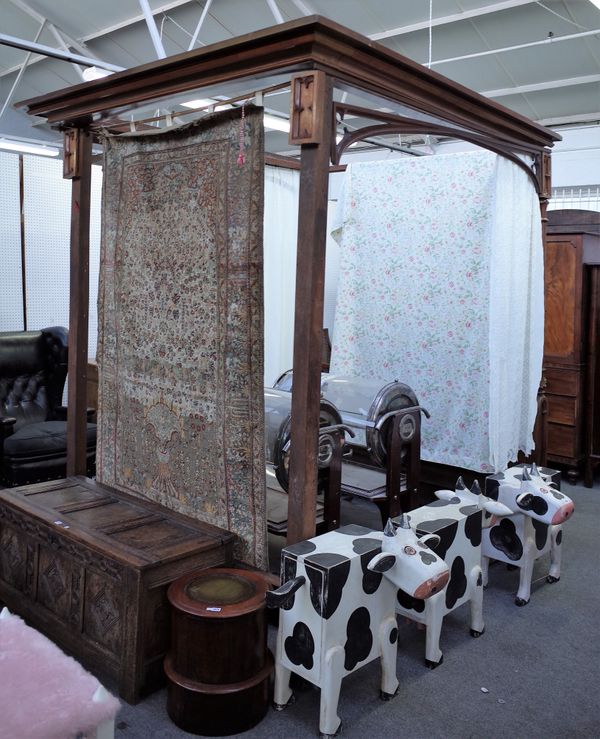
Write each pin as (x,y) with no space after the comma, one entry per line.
(33,428)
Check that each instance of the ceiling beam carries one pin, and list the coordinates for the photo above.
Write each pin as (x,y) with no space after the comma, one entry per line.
(153,30)
(19,76)
(205,10)
(67,56)
(275,10)
(304,8)
(164,8)
(455,17)
(550,85)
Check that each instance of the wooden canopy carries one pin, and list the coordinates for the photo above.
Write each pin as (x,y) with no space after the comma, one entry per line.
(316,55)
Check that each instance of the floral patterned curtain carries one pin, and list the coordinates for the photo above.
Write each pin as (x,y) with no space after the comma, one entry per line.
(441,287)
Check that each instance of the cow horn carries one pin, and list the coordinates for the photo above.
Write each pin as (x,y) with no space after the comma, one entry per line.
(526,475)
(534,470)
(404,521)
(389,528)
(476,488)
(460,484)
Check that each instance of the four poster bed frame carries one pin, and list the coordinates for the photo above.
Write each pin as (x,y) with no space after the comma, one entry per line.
(317,56)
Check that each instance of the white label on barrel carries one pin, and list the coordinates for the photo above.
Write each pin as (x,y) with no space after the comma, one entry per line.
(213,608)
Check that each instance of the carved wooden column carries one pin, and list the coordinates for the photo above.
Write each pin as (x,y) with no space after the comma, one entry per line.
(78,168)
(311,127)
(544,177)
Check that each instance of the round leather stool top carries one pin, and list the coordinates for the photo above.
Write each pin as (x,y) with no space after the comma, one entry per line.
(218,593)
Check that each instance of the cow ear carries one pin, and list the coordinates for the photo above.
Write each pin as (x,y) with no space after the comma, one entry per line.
(460,484)
(432,540)
(382,562)
(445,494)
(496,508)
(524,501)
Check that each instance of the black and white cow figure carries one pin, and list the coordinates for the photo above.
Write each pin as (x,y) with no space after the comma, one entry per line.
(524,511)
(456,519)
(337,606)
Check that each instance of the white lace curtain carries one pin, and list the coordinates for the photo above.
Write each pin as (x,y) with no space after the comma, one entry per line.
(441,287)
(280,233)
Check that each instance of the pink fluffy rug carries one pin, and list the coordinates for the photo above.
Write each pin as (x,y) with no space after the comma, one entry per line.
(43,693)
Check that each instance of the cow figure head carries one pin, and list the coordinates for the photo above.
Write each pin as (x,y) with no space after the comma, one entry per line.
(461,494)
(531,495)
(408,562)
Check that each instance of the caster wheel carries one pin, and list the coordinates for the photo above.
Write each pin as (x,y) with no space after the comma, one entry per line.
(477,634)
(521,602)
(432,665)
(552,579)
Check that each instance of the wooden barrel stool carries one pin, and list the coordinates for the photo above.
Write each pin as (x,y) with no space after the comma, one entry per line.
(219,665)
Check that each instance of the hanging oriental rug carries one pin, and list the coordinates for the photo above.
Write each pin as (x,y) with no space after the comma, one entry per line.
(180,348)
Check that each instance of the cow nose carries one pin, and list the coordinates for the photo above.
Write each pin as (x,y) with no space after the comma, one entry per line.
(432,586)
(563,512)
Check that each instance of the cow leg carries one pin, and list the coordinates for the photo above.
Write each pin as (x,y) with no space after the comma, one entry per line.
(555,553)
(524,591)
(485,567)
(434,615)
(282,693)
(476,602)
(331,682)
(388,648)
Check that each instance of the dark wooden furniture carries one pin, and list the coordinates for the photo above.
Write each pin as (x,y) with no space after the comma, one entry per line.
(219,666)
(316,56)
(89,567)
(572,310)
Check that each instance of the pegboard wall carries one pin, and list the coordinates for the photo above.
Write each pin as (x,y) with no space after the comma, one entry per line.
(11,305)
(47,210)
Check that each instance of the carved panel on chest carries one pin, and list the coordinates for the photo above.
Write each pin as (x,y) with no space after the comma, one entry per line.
(90,566)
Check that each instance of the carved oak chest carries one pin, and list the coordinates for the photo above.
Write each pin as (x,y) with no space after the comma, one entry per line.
(89,567)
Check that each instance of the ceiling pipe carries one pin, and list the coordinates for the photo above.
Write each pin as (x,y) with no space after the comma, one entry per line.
(21,71)
(549,40)
(455,17)
(66,56)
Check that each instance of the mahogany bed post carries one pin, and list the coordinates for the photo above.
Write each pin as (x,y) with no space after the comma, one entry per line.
(311,127)
(78,168)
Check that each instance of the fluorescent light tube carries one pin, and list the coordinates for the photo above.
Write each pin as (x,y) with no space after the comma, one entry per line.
(95,73)
(274,123)
(43,151)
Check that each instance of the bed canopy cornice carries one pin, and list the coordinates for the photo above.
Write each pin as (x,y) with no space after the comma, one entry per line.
(316,56)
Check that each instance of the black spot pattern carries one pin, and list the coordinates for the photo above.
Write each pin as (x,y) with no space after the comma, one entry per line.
(458,582)
(504,537)
(533,503)
(473,527)
(300,646)
(559,537)
(289,573)
(353,529)
(393,636)
(302,547)
(541,533)
(365,547)
(492,486)
(326,597)
(441,502)
(359,638)
(360,546)
(556,494)
(479,580)
(427,557)
(409,603)
(445,528)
